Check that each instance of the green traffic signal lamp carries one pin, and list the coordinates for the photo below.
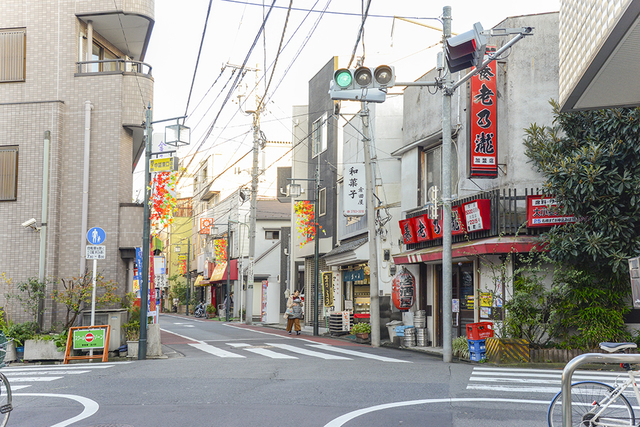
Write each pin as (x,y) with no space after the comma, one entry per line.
(343,78)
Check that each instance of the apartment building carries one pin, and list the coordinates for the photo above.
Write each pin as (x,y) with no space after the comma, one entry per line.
(73,78)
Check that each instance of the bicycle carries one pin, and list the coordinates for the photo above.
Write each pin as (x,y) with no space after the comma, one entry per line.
(596,404)
(5,389)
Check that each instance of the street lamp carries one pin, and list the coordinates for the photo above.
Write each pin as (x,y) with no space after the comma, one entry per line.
(183,136)
(294,191)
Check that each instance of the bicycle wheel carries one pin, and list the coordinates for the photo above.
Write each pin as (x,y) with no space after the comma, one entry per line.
(586,399)
(5,400)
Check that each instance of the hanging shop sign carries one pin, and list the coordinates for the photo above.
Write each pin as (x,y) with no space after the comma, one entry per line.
(543,212)
(403,290)
(353,275)
(355,202)
(421,228)
(477,215)
(484,123)
(205,225)
(407,230)
(327,288)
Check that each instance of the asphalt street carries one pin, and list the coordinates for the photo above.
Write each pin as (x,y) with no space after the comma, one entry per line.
(229,374)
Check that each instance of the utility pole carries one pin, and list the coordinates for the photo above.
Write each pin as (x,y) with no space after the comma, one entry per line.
(374,306)
(253,214)
(447,292)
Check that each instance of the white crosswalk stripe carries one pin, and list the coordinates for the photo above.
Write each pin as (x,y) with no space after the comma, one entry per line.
(284,351)
(24,376)
(515,380)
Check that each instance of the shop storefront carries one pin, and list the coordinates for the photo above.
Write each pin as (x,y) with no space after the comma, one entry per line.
(356,291)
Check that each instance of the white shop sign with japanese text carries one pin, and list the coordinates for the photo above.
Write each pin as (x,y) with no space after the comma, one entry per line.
(355,185)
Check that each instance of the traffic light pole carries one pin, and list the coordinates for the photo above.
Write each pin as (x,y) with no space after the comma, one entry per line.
(374,303)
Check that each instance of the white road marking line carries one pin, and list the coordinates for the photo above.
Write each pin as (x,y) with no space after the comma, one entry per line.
(90,406)
(343,419)
(41,372)
(188,326)
(269,353)
(216,351)
(59,367)
(306,352)
(552,390)
(238,344)
(18,387)
(546,371)
(253,330)
(559,375)
(356,353)
(32,379)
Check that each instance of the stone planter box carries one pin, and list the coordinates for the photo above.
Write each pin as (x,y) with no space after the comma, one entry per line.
(10,355)
(41,350)
(132,349)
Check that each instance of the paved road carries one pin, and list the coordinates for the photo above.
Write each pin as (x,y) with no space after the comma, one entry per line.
(221,374)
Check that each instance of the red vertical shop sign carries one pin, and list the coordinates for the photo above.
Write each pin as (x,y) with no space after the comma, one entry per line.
(407,230)
(484,124)
(421,228)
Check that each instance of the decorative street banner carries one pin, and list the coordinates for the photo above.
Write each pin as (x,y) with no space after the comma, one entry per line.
(88,338)
(484,123)
(263,311)
(327,288)
(137,275)
(543,212)
(355,202)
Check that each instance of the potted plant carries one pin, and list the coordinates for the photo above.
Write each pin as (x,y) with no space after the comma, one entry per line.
(361,330)
(211,311)
(132,332)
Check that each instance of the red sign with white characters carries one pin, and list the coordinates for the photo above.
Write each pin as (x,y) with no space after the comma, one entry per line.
(457,220)
(403,290)
(541,212)
(407,230)
(484,123)
(477,215)
(421,228)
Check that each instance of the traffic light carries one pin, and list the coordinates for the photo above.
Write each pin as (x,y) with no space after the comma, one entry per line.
(466,50)
(362,84)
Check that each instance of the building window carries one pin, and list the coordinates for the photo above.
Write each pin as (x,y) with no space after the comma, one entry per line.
(13,54)
(8,173)
(432,171)
(322,202)
(319,135)
(100,53)
(272,235)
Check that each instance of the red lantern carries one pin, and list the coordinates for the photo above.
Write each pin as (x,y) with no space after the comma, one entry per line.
(403,290)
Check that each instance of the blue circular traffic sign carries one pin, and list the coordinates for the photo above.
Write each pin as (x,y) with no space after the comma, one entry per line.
(96,235)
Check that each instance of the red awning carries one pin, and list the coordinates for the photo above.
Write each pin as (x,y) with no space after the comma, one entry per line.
(219,274)
(492,246)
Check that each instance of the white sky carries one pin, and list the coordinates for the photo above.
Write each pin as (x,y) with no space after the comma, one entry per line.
(233,27)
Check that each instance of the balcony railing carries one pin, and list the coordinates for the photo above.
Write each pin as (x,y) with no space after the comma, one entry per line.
(113,66)
(508,216)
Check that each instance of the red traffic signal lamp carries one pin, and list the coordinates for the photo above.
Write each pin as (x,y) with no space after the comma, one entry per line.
(466,50)
(362,84)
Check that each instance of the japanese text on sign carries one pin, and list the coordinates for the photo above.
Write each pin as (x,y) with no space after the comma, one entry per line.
(484,124)
(354,199)
(96,252)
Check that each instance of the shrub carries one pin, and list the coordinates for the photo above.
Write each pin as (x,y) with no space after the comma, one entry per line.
(361,328)
(460,347)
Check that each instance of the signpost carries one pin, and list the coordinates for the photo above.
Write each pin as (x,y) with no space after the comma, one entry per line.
(95,251)
(88,338)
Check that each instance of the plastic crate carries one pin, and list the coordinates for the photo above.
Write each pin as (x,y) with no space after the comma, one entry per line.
(477,346)
(477,357)
(479,331)
(400,330)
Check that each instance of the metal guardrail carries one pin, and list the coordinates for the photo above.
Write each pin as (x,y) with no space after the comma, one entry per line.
(573,364)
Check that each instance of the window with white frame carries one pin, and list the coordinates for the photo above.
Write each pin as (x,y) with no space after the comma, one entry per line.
(319,135)
(322,202)
(8,173)
(13,54)
(432,171)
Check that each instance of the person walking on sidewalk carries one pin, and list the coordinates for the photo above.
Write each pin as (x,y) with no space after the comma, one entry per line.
(294,312)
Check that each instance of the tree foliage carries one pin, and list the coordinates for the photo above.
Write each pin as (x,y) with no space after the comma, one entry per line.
(591,163)
(76,293)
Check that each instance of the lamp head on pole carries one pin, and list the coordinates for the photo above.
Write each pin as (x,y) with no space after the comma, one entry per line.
(177,135)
